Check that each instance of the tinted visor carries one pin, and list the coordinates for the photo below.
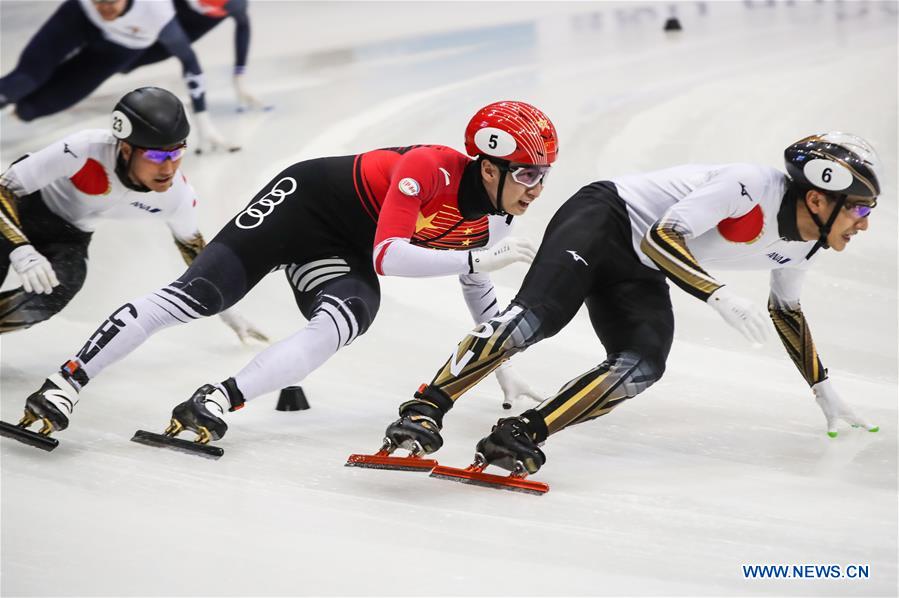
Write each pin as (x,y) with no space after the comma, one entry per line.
(159,156)
(528,175)
(861,210)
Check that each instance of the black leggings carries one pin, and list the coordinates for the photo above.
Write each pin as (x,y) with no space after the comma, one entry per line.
(62,64)
(64,245)
(587,257)
(285,226)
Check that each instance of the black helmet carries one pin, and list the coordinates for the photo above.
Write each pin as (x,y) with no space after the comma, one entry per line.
(834,163)
(150,117)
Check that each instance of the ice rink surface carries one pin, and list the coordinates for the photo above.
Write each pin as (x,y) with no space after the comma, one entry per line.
(723,463)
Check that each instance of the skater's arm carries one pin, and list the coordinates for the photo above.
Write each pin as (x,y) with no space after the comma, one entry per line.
(791,324)
(665,243)
(177,43)
(35,171)
(184,222)
(727,196)
(10,226)
(794,332)
(237,9)
(414,182)
(480,296)
(190,248)
(478,289)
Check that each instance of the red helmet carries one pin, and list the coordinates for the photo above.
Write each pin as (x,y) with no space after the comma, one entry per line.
(512,131)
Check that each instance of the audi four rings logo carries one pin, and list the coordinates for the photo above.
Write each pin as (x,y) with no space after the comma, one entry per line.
(262,207)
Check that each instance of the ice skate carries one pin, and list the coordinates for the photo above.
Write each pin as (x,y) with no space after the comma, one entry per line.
(509,445)
(201,414)
(52,404)
(417,431)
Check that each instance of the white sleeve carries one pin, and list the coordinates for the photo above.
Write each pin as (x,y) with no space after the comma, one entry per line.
(183,221)
(786,285)
(730,193)
(477,288)
(58,160)
(498,228)
(399,257)
(480,296)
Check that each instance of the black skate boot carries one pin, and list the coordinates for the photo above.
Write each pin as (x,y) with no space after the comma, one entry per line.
(202,414)
(52,403)
(512,444)
(417,430)
(421,419)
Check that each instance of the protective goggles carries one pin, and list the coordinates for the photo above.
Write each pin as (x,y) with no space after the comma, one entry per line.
(104,1)
(159,156)
(528,175)
(861,210)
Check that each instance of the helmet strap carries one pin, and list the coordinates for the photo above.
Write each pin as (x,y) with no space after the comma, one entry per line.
(499,193)
(503,168)
(123,170)
(824,227)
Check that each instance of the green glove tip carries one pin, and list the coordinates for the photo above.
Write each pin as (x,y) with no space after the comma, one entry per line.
(875,429)
(833,434)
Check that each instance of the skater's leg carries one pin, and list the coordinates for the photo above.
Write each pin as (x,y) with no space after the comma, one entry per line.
(340,300)
(64,33)
(634,321)
(75,79)
(19,310)
(215,281)
(64,245)
(339,310)
(570,258)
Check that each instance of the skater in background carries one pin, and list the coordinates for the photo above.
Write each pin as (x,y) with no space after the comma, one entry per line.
(87,41)
(199,17)
(51,201)
(613,246)
(336,224)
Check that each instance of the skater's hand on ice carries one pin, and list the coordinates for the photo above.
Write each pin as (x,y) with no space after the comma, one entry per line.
(835,409)
(742,314)
(508,251)
(241,327)
(246,100)
(34,270)
(209,137)
(513,386)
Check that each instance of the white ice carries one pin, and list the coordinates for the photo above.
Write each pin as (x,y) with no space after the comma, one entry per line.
(724,462)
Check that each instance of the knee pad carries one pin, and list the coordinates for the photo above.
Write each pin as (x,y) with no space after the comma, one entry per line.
(643,371)
(351,315)
(515,329)
(199,294)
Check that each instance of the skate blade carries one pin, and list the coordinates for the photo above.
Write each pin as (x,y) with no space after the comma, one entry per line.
(475,476)
(177,444)
(28,437)
(383,460)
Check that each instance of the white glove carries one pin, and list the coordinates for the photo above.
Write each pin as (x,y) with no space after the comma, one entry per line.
(742,314)
(209,137)
(34,269)
(508,251)
(513,386)
(246,100)
(241,326)
(835,409)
